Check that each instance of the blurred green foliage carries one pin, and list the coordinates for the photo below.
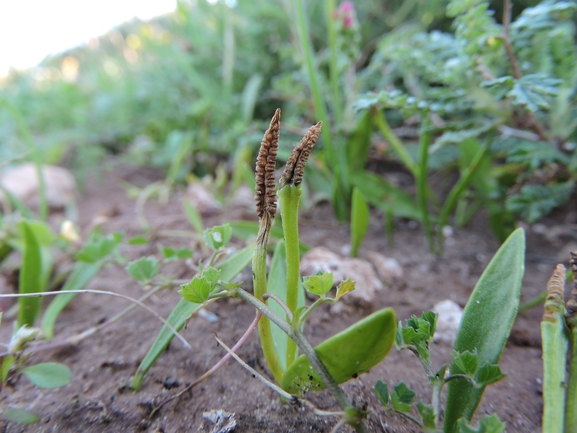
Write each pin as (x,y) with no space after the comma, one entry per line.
(191,91)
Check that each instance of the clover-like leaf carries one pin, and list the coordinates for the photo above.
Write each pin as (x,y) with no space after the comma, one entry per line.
(218,236)
(402,397)
(319,284)
(143,269)
(197,291)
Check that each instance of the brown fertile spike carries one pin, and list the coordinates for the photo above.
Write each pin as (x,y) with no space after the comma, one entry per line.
(265,165)
(555,293)
(572,302)
(295,166)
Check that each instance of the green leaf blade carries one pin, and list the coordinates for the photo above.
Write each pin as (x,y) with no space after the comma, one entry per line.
(486,323)
(48,374)
(347,354)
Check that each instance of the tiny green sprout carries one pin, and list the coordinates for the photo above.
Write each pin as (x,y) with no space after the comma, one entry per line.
(319,284)
(217,237)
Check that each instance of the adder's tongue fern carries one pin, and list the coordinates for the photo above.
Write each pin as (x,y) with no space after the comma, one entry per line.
(266,208)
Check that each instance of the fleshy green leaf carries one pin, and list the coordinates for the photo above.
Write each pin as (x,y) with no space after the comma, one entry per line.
(143,270)
(48,374)
(319,284)
(347,354)
(21,416)
(218,236)
(486,323)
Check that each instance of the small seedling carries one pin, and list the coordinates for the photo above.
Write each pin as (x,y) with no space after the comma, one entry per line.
(483,332)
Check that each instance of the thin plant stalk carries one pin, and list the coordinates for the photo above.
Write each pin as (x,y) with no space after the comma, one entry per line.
(289,197)
(571,319)
(554,354)
(303,344)
(266,209)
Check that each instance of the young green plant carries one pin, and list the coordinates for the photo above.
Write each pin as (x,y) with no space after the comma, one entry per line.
(483,332)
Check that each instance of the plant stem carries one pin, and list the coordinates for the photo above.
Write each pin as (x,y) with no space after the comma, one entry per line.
(289,197)
(265,332)
(308,350)
(555,347)
(571,404)
(394,141)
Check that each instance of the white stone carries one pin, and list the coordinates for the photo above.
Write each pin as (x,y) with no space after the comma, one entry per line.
(22,182)
(448,321)
(388,268)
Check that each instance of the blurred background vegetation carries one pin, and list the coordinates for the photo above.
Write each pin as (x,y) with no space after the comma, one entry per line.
(476,108)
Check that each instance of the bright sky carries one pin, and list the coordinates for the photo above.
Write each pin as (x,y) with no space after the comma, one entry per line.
(32,29)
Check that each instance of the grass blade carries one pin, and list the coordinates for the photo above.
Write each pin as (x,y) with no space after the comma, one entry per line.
(359,220)
(30,276)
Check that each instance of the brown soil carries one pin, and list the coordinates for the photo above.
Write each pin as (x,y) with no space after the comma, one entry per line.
(98,400)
